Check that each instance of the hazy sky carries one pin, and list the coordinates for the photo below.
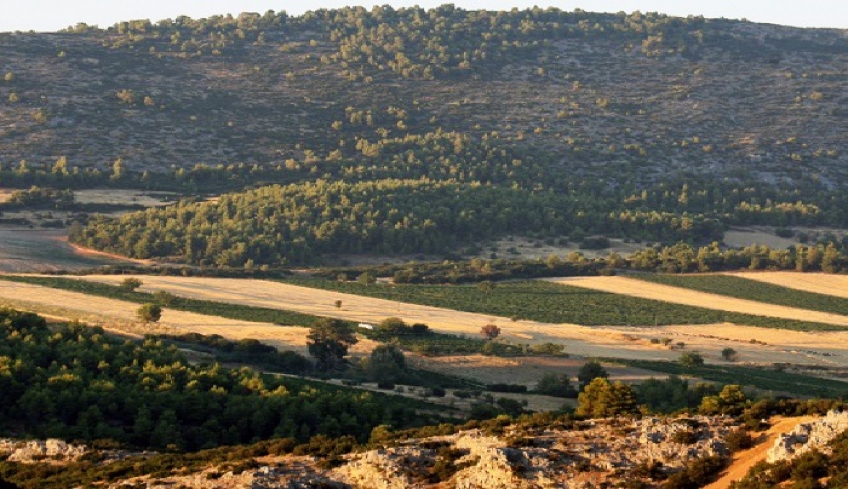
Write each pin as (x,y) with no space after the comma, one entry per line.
(51,15)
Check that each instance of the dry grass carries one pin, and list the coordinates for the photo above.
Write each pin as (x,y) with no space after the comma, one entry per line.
(112,196)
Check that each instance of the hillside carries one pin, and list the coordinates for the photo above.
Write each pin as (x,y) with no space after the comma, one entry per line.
(637,126)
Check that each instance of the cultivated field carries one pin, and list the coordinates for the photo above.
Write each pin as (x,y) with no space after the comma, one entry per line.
(117,315)
(677,295)
(754,344)
(818,283)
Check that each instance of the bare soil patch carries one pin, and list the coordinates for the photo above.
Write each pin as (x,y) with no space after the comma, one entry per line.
(678,295)
(113,196)
(39,250)
(517,247)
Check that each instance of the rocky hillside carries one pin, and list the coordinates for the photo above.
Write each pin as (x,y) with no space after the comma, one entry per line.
(621,97)
(504,455)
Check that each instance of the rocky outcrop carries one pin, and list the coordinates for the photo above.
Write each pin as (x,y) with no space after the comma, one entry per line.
(40,450)
(808,436)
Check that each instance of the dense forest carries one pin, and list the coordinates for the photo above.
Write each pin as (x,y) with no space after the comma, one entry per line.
(74,382)
(639,126)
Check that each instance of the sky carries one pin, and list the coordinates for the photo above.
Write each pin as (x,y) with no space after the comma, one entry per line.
(52,15)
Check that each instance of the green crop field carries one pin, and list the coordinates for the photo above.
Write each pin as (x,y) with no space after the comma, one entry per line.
(754,290)
(769,380)
(557,303)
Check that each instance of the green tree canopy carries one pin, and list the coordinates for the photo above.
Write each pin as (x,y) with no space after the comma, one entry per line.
(328,342)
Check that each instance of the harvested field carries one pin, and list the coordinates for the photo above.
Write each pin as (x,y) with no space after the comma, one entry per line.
(818,283)
(119,316)
(677,295)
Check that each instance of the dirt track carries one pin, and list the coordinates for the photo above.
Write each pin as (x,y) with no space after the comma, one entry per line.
(678,295)
(743,461)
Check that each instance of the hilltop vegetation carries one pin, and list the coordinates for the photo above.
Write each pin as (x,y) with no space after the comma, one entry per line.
(641,126)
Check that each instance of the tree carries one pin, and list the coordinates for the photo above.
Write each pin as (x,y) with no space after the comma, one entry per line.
(387,364)
(338,304)
(691,359)
(604,399)
(392,326)
(590,371)
(729,354)
(366,278)
(553,384)
(150,313)
(490,331)
(328,341)
(130,284)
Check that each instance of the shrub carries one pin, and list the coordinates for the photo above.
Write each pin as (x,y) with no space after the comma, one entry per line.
(150,313)
(130,284)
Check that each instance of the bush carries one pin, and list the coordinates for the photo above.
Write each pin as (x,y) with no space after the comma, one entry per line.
(150,313)
(739,439)
(130,284)
(557,385)
(514,388)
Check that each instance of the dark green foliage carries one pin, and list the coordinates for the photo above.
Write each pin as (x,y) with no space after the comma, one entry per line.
(764,379)
(590,371)
(73,382)
(507,388)
(601,399)
(248,351)
(328,341)
(739,439)
(558,385)
(150,313)
(130,284)
(387,365)
(691,359)
(672,394)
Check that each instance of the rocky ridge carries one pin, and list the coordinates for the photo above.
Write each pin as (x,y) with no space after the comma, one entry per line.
(805,437)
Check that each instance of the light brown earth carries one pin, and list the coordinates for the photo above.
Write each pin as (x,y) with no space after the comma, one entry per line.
(114,196)
(678,295)
(818,283)
(744,460)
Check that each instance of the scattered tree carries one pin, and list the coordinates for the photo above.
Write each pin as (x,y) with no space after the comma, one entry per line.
(338,304)
(366,278)
(604,399)
(490,331)
(729,354)
(328,342)
(558,385)
(387,364)
(691,359)
(590,371)
(130,284)
(150,313)
(486,286)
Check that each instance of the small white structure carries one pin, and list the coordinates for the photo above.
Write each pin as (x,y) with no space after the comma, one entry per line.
(366,326)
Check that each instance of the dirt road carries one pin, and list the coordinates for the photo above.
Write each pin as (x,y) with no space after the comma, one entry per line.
(743,461)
